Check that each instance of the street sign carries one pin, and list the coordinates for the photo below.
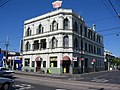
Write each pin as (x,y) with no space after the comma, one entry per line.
(93,60)
(74,58)
(81,59)
(57,4)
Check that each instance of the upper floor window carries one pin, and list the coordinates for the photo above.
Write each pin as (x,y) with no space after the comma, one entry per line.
(54,42)
(36,44)
(81,30)
(43,43)
(81,44)
(85,31)
(40,29)
(28,32)
(54,25)
(86,47)
(27,46)
(76,43)
(65,41)
(66,23)
(75,27)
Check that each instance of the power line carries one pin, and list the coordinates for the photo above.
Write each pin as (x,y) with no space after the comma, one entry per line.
(117,33)
(110,11)
(118,2)
(3,2)
(113,7)
(108,29)
(101,19)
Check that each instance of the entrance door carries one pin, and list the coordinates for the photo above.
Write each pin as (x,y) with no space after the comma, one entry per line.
(66,66)
(38,67)
(86,65)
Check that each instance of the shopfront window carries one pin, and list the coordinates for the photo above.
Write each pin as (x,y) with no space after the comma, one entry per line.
(33,63)
(27,62)
(44,63)
(53,61)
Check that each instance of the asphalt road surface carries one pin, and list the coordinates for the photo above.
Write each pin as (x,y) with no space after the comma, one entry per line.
(91,81)
(112,77)
(18,85)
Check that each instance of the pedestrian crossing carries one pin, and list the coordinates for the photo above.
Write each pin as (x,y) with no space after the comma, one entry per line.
(99,80)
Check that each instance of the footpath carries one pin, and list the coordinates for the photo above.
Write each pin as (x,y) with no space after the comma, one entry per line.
(74,79)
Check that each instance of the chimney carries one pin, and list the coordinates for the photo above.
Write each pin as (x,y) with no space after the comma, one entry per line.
(94,27)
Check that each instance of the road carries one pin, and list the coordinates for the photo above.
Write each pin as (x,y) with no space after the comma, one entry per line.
(107,80)
(112,77)
(18,85)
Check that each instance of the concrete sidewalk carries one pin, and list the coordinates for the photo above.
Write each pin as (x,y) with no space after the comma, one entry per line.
(71,76)
(43,74)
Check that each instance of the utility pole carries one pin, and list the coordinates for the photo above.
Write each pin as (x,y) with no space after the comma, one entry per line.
(6,54)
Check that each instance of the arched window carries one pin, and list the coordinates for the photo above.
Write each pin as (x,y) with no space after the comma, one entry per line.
(28,32)
(75,27)
(27,46)
(54,25)
(66,23)
(40,29)
(76,43)
(65,41)
(54,42)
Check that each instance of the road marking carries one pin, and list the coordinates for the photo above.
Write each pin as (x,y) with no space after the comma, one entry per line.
(23,87)
(60,89)
(99,80)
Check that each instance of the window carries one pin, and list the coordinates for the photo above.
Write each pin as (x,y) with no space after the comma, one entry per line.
(89,34)
(75,27)
(65,41)
(94,36)
(81,44)
(76,64)
(54,25)
(85,46)
(76,43)
(66,23)
(27,46)
(53,61)
(81,30)
(43,43)
(94,50)
(40,29)
(85,31)
(27,62)
(28,32)
(36,45)
(89,48)
(44,63)
(33,63)
(54,42)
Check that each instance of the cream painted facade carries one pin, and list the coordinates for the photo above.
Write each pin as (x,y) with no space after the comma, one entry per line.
(57,41)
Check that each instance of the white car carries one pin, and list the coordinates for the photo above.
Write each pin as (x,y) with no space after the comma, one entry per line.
(5,72)
(6,83)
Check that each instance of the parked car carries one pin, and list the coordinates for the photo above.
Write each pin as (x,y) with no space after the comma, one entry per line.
(6,83)
(6,72)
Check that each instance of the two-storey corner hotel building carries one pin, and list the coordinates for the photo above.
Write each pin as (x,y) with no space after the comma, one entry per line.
(60,42)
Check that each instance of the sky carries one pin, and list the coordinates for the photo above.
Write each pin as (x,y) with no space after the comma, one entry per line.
(99,12)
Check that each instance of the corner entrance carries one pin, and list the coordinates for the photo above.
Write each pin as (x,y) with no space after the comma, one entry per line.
(38,63)
(66,64)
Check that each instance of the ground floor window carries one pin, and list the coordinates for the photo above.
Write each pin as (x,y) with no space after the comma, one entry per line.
(44,63)
(75,63)
(33,63)
(27,62)
(53,61)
